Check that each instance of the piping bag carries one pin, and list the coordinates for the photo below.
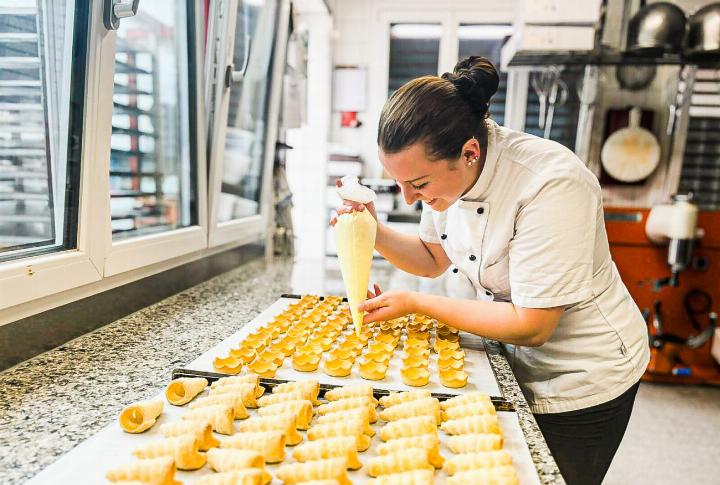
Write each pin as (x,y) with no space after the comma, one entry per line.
(355,241)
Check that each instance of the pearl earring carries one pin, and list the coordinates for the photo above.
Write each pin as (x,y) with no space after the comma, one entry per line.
(472,161)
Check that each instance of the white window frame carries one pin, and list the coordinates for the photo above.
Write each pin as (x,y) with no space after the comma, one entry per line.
(136,252)
(27,279)
(485,13)
(255,227)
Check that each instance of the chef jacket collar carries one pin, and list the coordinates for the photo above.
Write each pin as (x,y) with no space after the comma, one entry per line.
(483,182)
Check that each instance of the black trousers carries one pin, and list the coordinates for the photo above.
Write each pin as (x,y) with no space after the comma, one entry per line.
(584,442)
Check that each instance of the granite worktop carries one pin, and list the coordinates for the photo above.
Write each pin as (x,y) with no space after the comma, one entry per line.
(54,401)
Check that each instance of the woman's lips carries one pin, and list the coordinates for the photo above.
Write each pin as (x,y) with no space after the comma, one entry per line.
(432,201)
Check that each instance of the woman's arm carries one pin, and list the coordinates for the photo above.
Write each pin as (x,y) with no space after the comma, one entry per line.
(410,253)
(530,327)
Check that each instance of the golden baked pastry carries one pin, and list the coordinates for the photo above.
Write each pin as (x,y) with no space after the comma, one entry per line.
(342,353)
(248,476)
(244,379)
(345,392)
(482,423)
(400,397)
(234,399)
(202,430)
(183,390)
(306,362)
(263,368)
(340,446)
(453,378)
(428,406)
(374,371)
(412,477)
(228,364)
(221,417)
(307,394)
(140,416)
(362,414)
(450,364)
(350,403)
(244,354)
(473,461)
(414,361)
(402,428)
(348,427)
(287,423)
(332,468)
(270,444)
(467,398)
(231,459)
(310,386)
(158,471)
(468,410)
(337,367)
(415,376)
(271,354)
(302,410)
(184,449)
(247,390)
(399,461)
(429,442)
(500,475)
(474,442)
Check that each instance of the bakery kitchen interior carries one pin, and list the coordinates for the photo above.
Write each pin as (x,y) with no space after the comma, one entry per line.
(359,241)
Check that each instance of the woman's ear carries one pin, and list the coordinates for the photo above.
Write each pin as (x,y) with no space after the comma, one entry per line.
(471,150)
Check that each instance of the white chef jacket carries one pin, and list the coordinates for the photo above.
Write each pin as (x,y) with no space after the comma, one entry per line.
(531,232)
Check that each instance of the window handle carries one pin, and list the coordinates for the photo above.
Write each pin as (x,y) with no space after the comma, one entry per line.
(233,76)
(118,9)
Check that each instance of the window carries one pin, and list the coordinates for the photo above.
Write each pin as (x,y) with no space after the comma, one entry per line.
(42,76)
(701,162)
(247,120)
(414,52)
(153,168)
(486,40)
(563,128)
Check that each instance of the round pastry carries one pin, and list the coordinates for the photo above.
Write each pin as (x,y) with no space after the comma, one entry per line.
(306,362)
(452,354)
(337,367)
(378,356)
(415,376)
(227,365)
(453,378)
(342,353)
(441,345)
(414,361)
(449,364)
(381,346)
(417,352)
(263,368)
(373,371)
(244,354)
(272,355)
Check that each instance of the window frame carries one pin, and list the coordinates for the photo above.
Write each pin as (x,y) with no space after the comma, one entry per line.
(255,227)
(136,252)
(450,42)
(32,277)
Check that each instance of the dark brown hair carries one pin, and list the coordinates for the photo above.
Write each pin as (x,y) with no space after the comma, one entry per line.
(441,112)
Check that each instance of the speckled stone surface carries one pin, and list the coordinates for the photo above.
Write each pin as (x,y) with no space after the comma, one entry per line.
(54,401)
(544,462)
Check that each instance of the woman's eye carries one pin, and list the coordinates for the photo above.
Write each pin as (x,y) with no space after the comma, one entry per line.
(419,187)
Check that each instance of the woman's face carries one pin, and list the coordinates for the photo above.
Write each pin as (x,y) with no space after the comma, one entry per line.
(438,183)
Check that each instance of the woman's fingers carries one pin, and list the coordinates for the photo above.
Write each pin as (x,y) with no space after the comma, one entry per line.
(372,304)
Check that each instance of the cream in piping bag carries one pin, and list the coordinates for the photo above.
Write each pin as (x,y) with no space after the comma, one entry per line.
(355,241)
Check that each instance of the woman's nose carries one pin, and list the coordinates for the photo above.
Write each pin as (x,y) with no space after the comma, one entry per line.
(409,194)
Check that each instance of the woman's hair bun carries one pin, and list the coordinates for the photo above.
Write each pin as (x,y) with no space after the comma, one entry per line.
(476,80)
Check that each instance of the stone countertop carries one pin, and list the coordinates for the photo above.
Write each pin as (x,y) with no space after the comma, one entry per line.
(54,401)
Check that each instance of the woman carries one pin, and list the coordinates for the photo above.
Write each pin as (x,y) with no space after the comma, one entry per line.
(521,218)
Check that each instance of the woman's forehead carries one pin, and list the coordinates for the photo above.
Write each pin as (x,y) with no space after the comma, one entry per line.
(408,164)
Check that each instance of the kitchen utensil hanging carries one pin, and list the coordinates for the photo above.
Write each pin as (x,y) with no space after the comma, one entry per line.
(557,97)
(634,77)
(542,83)
(631,154)
(703,36)
(586,88)
(657,28)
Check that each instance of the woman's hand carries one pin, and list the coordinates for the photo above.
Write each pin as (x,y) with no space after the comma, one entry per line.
(386,306)
(350,206)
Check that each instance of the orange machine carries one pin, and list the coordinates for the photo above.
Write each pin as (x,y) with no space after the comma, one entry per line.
(678,316)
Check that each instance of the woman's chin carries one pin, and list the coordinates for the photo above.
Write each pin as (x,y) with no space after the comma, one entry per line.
(438,205)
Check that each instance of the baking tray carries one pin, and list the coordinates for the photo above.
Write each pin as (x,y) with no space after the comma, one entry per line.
(481,375)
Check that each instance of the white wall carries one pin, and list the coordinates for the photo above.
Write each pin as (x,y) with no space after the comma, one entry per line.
(361,38)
